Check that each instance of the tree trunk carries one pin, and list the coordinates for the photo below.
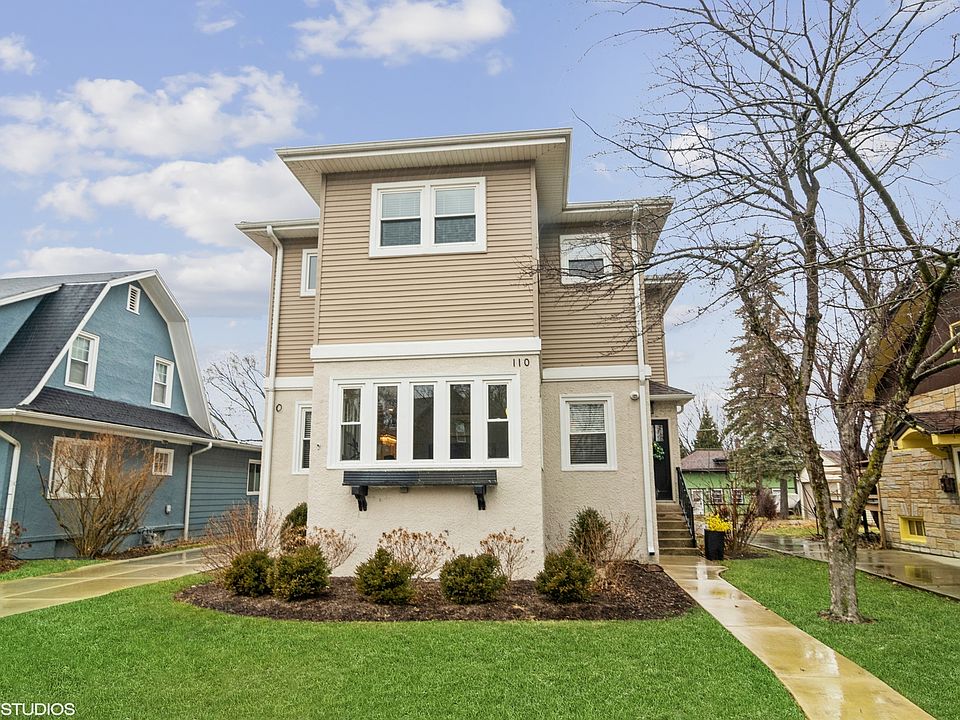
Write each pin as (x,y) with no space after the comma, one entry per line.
(784,500)
(844,606)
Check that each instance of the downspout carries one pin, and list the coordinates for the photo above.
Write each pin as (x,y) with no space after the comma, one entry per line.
(12,485)
(270,392)
(186,504)
(643,391)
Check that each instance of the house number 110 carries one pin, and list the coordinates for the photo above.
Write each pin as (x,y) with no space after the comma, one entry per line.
(521,362)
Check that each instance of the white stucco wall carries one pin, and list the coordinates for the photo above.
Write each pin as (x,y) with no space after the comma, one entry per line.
(286,489)
(516,501)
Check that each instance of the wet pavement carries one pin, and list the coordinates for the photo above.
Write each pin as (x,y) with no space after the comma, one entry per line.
(19,596)
(825,684)
(928,572)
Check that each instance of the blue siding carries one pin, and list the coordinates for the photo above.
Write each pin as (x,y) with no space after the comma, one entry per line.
(129,343)
(13,316)
(219,483)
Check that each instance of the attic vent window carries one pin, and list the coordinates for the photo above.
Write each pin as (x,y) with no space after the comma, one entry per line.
(133,299)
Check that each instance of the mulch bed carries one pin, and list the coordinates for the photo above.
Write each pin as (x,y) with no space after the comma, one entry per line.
(138,551)
(647,594)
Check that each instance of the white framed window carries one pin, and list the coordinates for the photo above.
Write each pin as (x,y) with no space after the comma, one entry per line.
(72,468)
(163,462)
(82,362)
(308,272)
(588,433)
(161,393)
(133,299)
(253,477)
(585,258)
(301,449)
(432,216)
(425,422)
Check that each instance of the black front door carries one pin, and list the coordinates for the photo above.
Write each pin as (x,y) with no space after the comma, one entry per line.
(662,477)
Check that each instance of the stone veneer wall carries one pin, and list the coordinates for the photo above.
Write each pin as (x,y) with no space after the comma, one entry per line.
(910,487)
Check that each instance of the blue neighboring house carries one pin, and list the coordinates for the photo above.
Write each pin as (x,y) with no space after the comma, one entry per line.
(108,353)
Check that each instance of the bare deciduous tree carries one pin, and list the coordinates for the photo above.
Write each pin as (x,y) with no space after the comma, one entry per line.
(99,490)
(235,394)
(795,137)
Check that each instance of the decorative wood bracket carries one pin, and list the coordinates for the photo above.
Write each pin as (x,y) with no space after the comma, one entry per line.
(360,481)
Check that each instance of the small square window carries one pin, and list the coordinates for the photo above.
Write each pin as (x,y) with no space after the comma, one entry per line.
(163,462)
(913,529)
(253,477)
(133,299)
(584,258)
(588,435)
(716,496)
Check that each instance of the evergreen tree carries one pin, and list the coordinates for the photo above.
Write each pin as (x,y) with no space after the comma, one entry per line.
(708,434)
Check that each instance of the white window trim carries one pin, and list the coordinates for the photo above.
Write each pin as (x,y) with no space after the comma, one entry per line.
(92,364)
(158,452)
(168,393)
(133,299)
(305,289)
(441,414)
(568,242)
(427,215)
(250,464)
(303,407)
(51,480)
(609,419)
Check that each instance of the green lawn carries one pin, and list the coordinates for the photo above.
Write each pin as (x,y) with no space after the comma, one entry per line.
(913,645)
(118,655)
(33,568)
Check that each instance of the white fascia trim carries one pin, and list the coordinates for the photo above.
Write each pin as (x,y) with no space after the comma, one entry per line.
(595,372)
(294,382)
(682,398)
(31,417)
(30,294)
(479,347)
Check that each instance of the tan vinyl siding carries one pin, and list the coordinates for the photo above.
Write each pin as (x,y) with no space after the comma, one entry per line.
(296,314)
(654,346)
(583,327)
(427,297)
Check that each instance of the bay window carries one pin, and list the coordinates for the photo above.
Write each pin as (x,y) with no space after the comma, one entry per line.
(431,216)
(422,423)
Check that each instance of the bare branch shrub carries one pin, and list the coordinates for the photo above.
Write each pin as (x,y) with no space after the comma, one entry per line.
(9,541)
(336,545)
(748,508)
(621,548)
(240,529)
(99,489)
(424,551)
(510,549)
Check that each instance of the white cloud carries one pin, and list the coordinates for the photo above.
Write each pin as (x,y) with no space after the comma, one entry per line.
(396,30)
(214,16)
(202,200)
(497,62)
(680,314)
(232,284)
(102,124)
(14,56)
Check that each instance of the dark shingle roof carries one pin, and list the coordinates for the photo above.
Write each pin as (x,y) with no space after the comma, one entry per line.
(938,422)
(11,287)
(659,388)
(86,407)
(704,461)
(40,339)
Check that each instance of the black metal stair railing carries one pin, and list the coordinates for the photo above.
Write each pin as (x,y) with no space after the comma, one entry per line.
(685,504)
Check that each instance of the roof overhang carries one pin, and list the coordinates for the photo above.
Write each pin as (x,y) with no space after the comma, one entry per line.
(27,295)
(303,229)
(935,443)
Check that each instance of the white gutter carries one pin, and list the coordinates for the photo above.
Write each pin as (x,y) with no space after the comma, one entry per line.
(270,392)
(643,390)
(186,503)
(12,486)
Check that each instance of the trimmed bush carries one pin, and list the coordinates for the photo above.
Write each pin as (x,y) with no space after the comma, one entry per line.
(591,536)
(385,580)
(303,573)
(566,577)
(293,531)
(469,579)
(248,574)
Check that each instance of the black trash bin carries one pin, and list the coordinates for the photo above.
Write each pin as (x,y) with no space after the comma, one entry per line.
(713,542)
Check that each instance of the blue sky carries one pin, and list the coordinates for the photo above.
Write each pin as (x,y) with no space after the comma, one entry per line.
(133,135)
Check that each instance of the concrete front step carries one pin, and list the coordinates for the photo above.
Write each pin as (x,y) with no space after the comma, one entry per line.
(676,542)
(690,551)
(677,534)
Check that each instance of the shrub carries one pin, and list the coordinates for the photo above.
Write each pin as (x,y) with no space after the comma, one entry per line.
(469,579)
(566,577)
(423,551)
(293,531)
(241,529)
(7,559)
(303,573)
(591,536)
(384,579)
(248,574)
(337,546)
(509,549)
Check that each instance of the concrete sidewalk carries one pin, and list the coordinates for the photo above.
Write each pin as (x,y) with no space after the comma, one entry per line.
(928,572)
(19,596)
(825,684)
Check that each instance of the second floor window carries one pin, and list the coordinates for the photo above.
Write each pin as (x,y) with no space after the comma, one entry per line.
(435,216)
(82,361)
(585,258)
(308,273)
(162,393)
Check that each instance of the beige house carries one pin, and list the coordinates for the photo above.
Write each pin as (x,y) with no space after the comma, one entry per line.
(451,349)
